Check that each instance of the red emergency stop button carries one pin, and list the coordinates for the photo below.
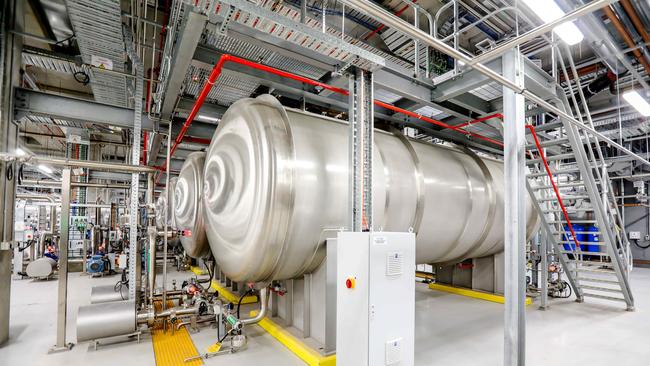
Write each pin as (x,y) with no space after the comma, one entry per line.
(349,283)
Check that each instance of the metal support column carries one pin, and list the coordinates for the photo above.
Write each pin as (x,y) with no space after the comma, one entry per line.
(361,121)
(134,279)
(62,297)
(515,213)
(306,308)
(12,12)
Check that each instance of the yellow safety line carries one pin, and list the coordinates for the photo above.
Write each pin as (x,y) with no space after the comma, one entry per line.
(472,293)
(304,352)
(172,349)
(424,275)
(198,271)
(226,294)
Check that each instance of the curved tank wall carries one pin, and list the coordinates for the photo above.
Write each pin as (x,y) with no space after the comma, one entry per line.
(160,206)
(276,186)
(188,214)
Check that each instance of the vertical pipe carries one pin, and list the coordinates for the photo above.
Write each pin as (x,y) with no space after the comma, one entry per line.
(515,212)
(62,299)
(167,214)
(151,230)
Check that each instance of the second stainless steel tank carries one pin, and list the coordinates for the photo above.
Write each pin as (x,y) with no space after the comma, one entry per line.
(276,186)
(160,206)
(188,212)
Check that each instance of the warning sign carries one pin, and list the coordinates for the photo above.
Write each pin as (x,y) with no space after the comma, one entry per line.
(101,62)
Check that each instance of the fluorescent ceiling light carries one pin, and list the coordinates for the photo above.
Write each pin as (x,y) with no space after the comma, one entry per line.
(636,100)
(20,152)
(548,11)
(45,169)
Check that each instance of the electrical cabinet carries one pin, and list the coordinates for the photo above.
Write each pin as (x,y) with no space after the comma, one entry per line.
(375,299)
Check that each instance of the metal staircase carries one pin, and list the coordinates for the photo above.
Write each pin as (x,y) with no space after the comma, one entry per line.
(574,197)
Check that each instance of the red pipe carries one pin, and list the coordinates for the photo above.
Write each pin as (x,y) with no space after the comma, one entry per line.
(435,122)
(144,149)
(550,176)
(218,67)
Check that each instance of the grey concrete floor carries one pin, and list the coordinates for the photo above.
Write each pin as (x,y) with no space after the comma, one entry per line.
(449,329)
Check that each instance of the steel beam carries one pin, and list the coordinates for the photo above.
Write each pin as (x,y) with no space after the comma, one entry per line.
(188,38)
(376,11)
(536,80)
(515,213)
(30,102)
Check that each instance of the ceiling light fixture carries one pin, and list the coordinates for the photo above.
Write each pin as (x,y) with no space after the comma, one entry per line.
(638,102)
(549,11)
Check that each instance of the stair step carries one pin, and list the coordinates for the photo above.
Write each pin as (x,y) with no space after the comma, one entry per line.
(570,210)
(554,198)
(551,158)
(600,254)
(598,280)
(603,289)
(574,222)
(594,269)
(603,297)
(561,185)
(555,172)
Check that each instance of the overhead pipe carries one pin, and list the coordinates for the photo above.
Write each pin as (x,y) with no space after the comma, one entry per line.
(378,12)
(218,67)
(620,28)
(72,163)
(638,23)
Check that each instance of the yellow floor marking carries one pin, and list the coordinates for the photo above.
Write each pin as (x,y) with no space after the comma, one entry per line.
(304,352)
(472,293)
(226,294)
(172,349)
(424,275)
(198,271)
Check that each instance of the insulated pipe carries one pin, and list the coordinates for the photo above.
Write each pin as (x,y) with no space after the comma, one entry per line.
(71,163)
(620,28)
(54,183)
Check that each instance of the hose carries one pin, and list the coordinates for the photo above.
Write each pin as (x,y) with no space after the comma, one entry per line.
(123,282)
(250,291)
(636,242)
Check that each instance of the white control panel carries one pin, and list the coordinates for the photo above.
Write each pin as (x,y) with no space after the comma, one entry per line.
(375,301)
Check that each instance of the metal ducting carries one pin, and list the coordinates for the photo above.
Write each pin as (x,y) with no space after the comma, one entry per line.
(276,187)
(188,212)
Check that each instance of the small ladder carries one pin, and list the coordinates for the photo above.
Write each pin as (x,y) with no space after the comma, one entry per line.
(568,178)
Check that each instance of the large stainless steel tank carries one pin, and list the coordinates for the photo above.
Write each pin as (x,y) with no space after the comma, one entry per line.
(160,206)
(276,186)
(188,212)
